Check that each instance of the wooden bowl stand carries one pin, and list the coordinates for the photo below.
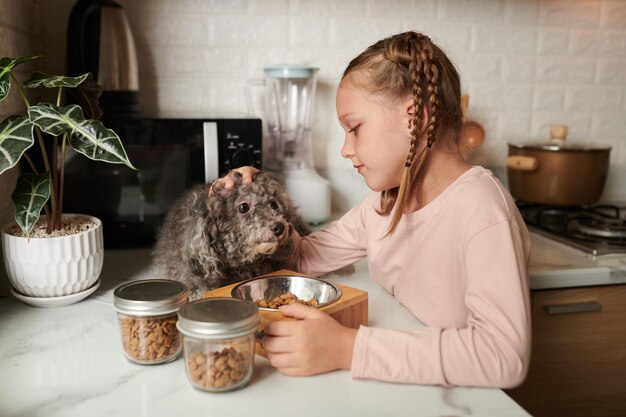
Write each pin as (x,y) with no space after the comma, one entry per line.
(350,310)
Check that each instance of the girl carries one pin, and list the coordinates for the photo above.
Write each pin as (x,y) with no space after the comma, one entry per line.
(443,236)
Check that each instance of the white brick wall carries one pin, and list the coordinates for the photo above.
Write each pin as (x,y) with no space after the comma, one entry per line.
(527,64)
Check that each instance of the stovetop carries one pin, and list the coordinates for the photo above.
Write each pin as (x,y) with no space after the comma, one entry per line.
(597,230)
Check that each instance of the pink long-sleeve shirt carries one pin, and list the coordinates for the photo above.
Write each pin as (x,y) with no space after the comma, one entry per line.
(459,264)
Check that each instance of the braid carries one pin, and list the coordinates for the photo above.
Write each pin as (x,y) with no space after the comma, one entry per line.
(423,72)
(432,78)
(418,102)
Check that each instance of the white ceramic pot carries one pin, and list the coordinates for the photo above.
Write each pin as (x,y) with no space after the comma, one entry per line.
(54,266)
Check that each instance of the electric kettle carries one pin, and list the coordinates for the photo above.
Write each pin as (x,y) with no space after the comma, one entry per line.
(100,41)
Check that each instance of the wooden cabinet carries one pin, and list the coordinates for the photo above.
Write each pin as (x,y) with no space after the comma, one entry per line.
(578,362)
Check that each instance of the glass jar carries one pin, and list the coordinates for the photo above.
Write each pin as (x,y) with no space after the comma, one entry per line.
(147,315)
(218,334)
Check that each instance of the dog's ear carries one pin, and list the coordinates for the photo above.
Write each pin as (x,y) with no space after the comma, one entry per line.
(296,220)
(201,255)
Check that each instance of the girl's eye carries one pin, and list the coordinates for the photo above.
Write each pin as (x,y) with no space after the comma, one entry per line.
(274,205)
(355,129)
(243,208)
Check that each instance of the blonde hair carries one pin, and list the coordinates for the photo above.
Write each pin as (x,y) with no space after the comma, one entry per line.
(411,64)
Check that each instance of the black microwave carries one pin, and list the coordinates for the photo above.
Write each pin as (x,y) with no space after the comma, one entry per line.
(170,155)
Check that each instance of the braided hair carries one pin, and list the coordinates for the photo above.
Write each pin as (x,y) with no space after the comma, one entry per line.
(410,63)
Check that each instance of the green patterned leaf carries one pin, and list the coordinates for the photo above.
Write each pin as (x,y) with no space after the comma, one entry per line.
(6,65)
(30,194)
(99,143)
(16,136)
(88,137)
(53,81)
(55,120)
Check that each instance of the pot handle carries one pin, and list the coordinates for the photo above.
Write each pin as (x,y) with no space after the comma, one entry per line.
(522,163)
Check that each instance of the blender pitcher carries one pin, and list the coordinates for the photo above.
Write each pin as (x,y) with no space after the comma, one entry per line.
(289,94)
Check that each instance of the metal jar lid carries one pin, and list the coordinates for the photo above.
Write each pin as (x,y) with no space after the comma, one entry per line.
(217,318)
(150,297)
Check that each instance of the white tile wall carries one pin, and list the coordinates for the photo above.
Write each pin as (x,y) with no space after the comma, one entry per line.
(527,64)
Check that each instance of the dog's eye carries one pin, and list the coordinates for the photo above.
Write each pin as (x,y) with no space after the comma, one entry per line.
(274,205)
(243,208)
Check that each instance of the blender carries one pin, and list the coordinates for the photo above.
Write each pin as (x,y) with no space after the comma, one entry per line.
(289,94)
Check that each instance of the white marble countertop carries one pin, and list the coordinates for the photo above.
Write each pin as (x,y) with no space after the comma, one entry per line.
(68,361)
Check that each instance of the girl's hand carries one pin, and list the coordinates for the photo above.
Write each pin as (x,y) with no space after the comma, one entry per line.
(314,344)
(226,183)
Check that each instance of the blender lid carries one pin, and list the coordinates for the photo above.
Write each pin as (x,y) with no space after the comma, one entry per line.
(289,71)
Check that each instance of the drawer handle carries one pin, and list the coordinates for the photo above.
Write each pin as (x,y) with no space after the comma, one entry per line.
(587,307)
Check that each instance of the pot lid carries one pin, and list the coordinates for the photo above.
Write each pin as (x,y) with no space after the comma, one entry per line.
(560,147)
(558,143)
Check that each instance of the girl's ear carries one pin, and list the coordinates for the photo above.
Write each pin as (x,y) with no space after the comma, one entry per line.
(410,112)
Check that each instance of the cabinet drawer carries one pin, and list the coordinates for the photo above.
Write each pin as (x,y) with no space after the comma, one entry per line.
(578,362)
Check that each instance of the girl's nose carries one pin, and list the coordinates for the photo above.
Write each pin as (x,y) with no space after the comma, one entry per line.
(347,150)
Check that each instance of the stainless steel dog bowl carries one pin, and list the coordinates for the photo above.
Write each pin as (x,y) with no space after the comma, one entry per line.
(305,288)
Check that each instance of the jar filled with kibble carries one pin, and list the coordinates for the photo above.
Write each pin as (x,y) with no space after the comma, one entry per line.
(147,312)
(218,334)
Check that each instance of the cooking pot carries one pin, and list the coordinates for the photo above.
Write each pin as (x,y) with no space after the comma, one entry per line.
(557,173)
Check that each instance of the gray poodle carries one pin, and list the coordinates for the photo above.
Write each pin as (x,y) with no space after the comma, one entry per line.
(209,242)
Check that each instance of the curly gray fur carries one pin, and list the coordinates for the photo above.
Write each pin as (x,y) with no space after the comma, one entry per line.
(209,242)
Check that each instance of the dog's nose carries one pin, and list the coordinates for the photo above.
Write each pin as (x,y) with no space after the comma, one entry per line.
(277,229)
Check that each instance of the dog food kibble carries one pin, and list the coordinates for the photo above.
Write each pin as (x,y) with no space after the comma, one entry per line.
(147,313)
(148,339)
(222,369)
(284,299)
(218,336)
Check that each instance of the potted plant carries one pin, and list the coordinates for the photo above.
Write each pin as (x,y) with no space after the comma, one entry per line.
(56,258)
